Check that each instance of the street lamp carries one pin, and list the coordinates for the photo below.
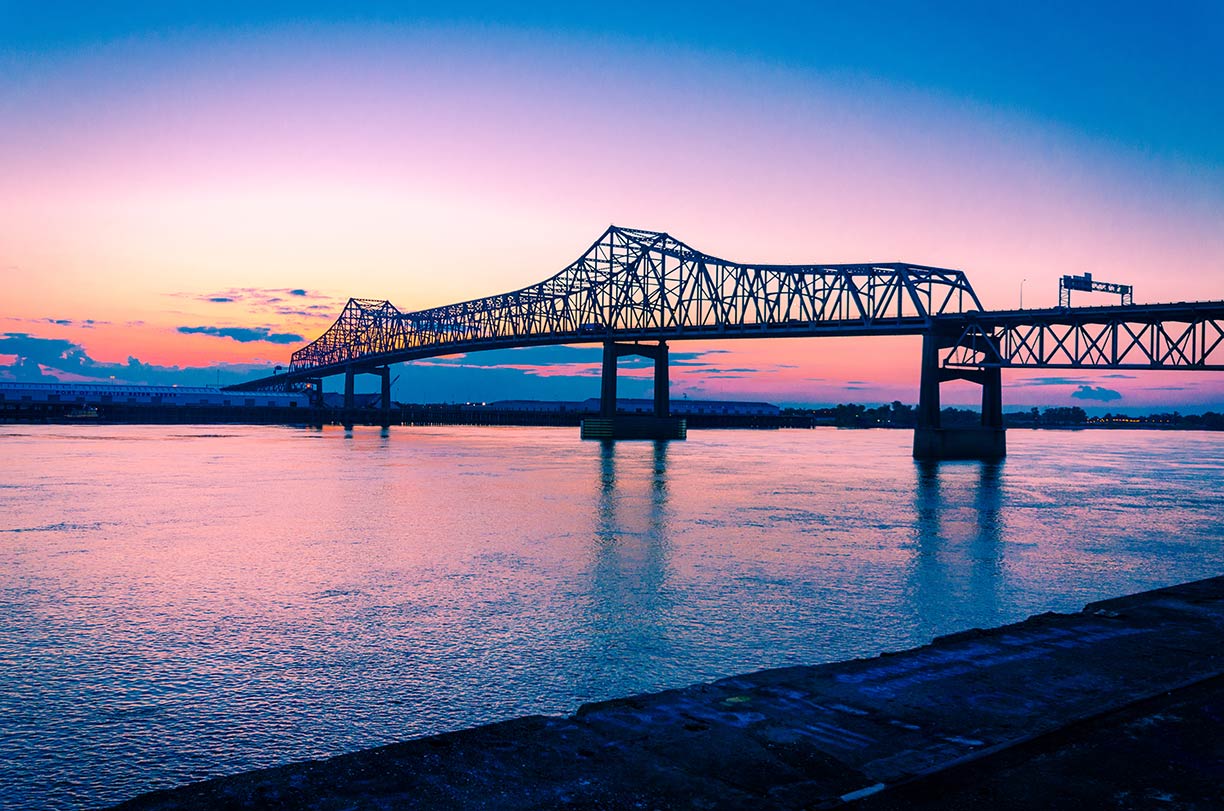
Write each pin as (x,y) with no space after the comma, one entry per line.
(1022,281)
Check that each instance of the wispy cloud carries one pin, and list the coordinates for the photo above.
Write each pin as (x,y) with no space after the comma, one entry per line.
(1049,381)
(536,370)
(86,323)
(245,335)
(279,301)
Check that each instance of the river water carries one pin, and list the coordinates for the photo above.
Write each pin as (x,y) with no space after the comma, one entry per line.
(182,602)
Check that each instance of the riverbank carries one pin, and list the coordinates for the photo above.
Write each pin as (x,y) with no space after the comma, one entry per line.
(998,705)
(436,415)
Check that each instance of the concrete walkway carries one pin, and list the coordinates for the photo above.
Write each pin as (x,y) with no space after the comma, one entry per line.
(876,733)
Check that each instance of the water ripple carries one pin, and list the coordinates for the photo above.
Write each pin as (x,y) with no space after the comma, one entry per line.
(173,611)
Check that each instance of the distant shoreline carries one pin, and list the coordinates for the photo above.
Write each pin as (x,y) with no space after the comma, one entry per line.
(852,416)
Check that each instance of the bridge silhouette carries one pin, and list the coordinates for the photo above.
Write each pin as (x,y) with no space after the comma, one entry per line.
(635,290)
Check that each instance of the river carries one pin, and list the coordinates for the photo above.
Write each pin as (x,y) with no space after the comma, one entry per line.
(181,602)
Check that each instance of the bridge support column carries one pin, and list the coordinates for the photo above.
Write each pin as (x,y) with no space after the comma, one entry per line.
(346,418)
(662,386)
(350,414)
(928,385)
(992,398)
(607,382)
(931,439)
(610,425)
(384,403)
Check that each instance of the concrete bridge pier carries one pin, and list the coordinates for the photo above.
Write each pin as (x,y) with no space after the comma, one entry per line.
(662,385)
(931,439)
(607,389)
(384,402)
(350,399)
(607,382)
(349,404)
(609,424)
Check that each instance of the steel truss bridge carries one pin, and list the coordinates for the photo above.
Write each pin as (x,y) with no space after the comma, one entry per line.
(633,286)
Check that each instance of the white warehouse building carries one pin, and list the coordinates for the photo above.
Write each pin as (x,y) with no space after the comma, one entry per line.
(98,394)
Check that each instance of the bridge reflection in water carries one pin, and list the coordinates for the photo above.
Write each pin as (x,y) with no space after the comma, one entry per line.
(633,291)
(956,571)
(629,593)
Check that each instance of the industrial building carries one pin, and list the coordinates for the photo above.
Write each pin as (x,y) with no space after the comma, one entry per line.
(94,395)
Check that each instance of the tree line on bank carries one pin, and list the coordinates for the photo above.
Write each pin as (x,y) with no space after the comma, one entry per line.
(901,415)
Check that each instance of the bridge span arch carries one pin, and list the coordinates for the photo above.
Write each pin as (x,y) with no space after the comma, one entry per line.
(646,285)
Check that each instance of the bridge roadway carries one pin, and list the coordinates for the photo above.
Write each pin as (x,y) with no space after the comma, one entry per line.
(633,291)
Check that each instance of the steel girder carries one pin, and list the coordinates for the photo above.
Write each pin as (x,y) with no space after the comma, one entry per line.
(634,284)
(1154,336)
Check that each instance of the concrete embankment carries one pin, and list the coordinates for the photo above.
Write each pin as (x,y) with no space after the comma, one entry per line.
(1081,710)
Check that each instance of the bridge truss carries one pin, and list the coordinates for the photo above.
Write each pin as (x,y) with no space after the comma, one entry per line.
(1151,336)
(633,284)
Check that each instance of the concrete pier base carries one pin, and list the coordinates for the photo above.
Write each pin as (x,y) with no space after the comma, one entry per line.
(960,443)
(634,426)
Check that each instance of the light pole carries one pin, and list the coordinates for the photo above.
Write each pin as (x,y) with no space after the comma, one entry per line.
(1022,281)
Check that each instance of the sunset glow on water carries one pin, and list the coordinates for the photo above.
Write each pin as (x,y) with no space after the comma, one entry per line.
(181,602)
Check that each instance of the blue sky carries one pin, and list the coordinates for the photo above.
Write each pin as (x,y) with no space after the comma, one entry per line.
(1092,129)
(1144,76)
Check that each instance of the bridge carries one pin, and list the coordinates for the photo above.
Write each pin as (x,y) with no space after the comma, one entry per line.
(633,291)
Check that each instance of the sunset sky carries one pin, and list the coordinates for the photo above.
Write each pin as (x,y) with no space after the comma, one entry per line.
(190,191)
